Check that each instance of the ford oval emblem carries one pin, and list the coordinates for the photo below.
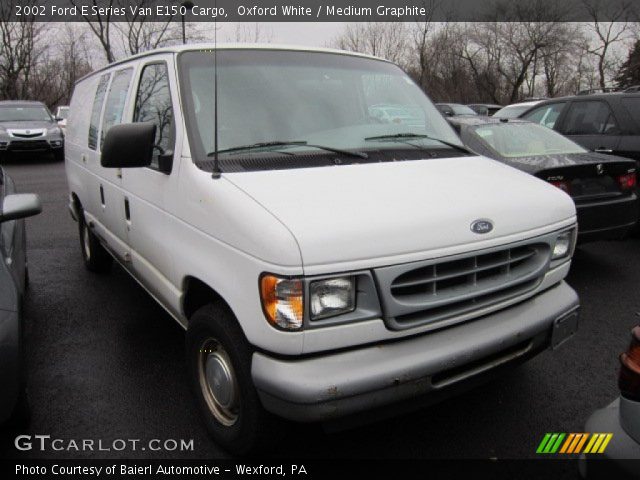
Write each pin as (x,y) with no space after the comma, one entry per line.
(481,226)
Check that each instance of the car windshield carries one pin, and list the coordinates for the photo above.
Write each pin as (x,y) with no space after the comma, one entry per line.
(24,114)
(524,139)
(309,98)
(511,111)
(462,109)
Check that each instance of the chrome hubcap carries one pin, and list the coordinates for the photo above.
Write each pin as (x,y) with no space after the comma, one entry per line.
(218,382)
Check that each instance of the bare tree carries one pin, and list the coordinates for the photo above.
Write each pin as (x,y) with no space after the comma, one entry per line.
(138,34)
(386,40)
(607,34)
(101,27)
(252,33)
(18,53)
(505,56)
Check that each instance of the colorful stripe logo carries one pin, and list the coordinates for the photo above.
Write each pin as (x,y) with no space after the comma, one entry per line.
(574,443)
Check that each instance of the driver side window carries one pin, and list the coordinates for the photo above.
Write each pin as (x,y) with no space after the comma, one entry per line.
(153,104)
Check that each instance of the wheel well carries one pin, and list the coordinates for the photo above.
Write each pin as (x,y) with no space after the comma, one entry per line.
(77,205)
(198,294)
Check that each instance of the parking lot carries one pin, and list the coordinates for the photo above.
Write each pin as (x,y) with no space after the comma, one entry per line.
(105,361)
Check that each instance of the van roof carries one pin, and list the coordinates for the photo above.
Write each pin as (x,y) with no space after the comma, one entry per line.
(231,46)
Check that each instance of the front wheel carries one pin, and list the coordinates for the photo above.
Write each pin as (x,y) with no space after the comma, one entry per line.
(219,362)
(58,155)
(95,257)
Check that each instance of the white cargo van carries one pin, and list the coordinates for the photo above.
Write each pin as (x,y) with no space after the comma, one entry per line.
(323,259)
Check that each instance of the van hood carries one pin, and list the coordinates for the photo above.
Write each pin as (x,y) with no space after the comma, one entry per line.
(349,213)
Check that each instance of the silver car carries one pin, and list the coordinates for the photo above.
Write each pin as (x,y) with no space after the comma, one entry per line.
(29,127)
(13,282)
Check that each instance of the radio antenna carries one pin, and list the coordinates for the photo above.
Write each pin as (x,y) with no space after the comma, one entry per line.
(216,165)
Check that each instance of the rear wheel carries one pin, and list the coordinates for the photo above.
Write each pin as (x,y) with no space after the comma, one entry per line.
(219,362)
(95,257)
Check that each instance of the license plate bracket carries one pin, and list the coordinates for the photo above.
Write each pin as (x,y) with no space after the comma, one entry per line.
(564,328)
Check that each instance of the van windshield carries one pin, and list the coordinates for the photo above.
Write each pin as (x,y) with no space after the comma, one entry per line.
(306,100)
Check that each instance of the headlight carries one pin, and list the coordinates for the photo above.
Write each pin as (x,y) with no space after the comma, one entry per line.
(54,131)
(564,245)
(331,297)
(282,301)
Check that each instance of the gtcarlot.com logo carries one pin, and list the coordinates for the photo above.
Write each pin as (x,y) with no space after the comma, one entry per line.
(574,443)
(46,443)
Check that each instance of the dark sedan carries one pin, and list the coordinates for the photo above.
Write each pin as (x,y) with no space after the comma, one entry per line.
(603,187)
(13,282)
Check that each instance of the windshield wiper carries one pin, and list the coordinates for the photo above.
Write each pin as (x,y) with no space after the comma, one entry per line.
(409,135)
(292,143)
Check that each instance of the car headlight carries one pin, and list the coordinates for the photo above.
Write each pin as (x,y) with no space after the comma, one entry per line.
(54,131)
(282,301)
(331,297)
(564,245)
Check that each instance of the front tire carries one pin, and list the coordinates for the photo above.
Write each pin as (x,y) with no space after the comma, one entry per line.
(219,363)
(58,155)
(96,258)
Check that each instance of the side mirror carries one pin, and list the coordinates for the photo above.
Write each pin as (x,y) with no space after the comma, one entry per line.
(20,206)
(128,145)
(59,119)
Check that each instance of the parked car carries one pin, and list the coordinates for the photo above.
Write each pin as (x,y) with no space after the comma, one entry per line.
(606,123)
(28,127)
(487,109)
(397,113)
(622,419)
(454,109)
(307,236)
(515,109)
(14,208)
(603,187)
(62,113)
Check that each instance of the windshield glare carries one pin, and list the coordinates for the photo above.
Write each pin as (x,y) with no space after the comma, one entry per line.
(24,114)
(320,98)
(525,140)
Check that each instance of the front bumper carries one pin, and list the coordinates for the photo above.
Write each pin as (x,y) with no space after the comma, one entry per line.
(37,145)
(337,384)
(607,219)
(621,459)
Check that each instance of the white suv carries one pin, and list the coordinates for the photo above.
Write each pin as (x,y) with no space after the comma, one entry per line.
(322,259)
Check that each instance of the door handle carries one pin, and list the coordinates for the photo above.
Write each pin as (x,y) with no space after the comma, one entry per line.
(127,212)
(102,196)
(603,150)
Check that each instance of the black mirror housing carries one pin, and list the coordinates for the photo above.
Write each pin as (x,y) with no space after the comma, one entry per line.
(128,145)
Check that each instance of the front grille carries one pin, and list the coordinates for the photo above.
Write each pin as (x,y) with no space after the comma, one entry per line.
(28,135)
(29,145)
(432,292)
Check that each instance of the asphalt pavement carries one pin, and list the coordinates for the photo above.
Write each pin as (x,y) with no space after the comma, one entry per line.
(106,362)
